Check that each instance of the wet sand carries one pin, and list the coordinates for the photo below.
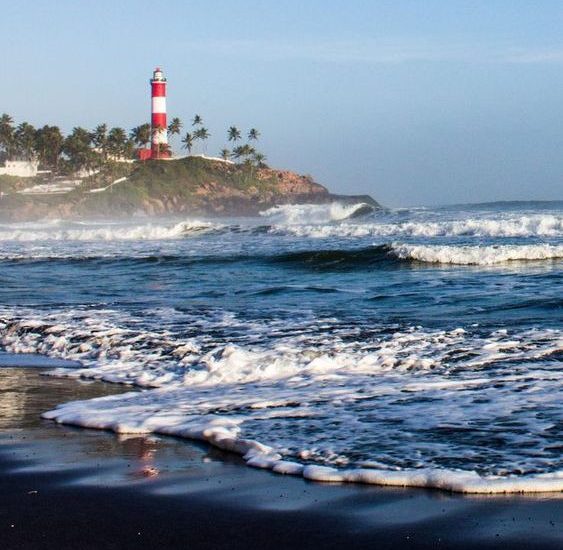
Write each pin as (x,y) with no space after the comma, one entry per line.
(62,487)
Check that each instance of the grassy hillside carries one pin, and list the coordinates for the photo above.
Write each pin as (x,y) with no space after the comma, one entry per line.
(185,185)
(12,184)
(192,185)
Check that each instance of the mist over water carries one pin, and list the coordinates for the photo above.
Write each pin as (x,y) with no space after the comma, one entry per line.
(411,346)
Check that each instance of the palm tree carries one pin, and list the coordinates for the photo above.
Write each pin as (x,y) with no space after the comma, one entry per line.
(117,143)
(243,151)
(188,142)
(175,126)
(162,151)
(141,135)
(100,139)
(128,150)
(237,152)
(259,159)
(6,134)
(225,154)
(253,134)
(76,148)
(197,121)
(48,145)
(202,134)
(101,143)
(233,134)
(24,141)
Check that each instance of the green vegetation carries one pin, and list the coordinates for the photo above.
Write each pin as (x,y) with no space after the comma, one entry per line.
(186,176)
(12,184)
(191,185)
(141,135)
(241,185)
(91,150)
(167,185)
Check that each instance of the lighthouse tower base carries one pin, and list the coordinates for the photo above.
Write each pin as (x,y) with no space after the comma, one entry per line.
(158,153)
(147,154)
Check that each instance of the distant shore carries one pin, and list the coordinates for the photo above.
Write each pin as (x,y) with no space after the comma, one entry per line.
(191,186)
(68,488)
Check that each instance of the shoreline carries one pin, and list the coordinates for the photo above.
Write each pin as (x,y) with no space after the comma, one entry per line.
(262,456)
(65,488)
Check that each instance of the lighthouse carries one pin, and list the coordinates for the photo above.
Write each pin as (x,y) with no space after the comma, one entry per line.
(159,141)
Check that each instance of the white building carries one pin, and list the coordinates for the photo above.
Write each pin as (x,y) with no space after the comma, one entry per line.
(20,168)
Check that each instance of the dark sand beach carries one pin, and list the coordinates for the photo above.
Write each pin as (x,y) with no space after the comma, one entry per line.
(63,487)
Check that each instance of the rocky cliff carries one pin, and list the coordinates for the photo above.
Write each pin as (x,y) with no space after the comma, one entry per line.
(190,186)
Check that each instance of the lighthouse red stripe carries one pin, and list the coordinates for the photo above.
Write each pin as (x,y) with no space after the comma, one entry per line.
(159,119)
(158,89)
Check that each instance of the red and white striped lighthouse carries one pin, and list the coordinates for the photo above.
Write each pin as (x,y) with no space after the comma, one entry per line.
(159,142)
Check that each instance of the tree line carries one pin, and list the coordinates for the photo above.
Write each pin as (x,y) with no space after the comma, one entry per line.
(91,149)
(245,153)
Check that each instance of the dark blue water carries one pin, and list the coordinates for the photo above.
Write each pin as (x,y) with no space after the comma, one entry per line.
(401,339)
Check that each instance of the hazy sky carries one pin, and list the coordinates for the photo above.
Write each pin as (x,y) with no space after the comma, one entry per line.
(415,102)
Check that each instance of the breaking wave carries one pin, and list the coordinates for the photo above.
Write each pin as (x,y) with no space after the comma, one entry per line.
(282,379)
(397,374)
(107,232)
(477,255)
(391,254)
(339,259)
(522,226)
(306,221)
(291,214)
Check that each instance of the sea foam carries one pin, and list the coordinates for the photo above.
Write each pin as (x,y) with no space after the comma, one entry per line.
(477,255)
(300,225)
(347,395)
(256,397)
(57,231)
(291,214)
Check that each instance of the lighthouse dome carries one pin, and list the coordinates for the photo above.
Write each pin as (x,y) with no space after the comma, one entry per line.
(158,74)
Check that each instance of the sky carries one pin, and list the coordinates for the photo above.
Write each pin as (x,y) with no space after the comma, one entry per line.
(414,102)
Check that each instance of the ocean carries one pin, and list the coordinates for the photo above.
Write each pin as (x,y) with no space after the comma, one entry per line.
(413,347)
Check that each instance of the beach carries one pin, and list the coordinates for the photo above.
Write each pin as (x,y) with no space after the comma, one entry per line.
(412,347)
(316,376)
(64,487)
(281,278)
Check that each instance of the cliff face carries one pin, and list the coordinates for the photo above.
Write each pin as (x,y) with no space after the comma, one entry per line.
(191,186)
(248,193)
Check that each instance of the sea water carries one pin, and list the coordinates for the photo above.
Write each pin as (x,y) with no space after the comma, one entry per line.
(418,347)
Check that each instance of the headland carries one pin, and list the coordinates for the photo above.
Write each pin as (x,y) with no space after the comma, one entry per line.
(193,185)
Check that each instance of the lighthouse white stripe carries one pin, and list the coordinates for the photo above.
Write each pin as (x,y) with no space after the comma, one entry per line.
(158,104)
(159,136)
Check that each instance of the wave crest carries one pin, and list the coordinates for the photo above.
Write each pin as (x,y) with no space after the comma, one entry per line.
(389,254)
(294,214)
(84,232)
(477,255)
(224,393)
(522,226)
